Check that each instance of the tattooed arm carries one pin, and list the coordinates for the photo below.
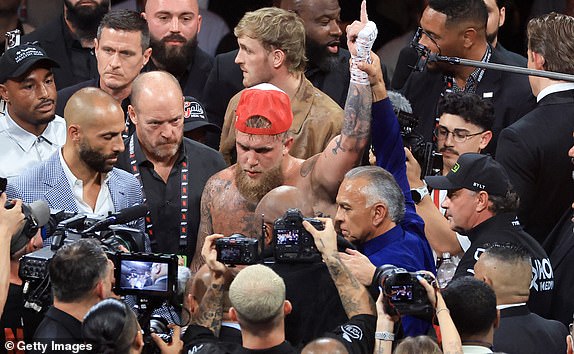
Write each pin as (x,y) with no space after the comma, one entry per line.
(205,224)
(211,306)
(354,296)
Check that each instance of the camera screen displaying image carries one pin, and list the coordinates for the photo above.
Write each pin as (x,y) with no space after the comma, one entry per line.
(401,293)
(229,255)
(287,237)
(146,275)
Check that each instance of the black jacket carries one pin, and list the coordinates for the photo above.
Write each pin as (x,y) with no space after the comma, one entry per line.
(506,228)
(523,332)
(509,93)
(534,152)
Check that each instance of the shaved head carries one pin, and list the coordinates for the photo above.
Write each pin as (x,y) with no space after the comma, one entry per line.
(275,203)
(325,345)
(90,106)
(147,86)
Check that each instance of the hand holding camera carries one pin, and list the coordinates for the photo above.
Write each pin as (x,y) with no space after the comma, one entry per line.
(326,239)
(11,220)
(211,256)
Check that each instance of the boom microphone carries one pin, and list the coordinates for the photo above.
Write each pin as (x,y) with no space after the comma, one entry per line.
(121,217)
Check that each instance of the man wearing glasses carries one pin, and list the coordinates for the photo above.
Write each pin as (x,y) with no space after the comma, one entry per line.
(457,28)
(465,125)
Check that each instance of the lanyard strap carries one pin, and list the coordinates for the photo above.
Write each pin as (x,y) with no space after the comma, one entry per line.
(184,195)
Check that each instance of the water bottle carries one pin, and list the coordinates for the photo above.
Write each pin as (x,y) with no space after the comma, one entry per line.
(446,271)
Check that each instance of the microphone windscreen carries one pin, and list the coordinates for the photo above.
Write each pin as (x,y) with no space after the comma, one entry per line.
(183,275)
(40,212)
(131,213)
(400,102)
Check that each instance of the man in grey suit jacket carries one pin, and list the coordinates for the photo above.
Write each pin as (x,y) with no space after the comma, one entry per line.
(80,177)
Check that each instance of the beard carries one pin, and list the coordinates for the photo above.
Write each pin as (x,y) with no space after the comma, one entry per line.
(86,19)
(253,190)
(173,59)
(490,37)
(163,151)
(95,159)
(319,56)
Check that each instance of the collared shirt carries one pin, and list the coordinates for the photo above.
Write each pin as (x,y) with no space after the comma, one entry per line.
(475,349)
(83,60)
(474,78)
(22,149)
(563,86)
(104,203)
(502,307)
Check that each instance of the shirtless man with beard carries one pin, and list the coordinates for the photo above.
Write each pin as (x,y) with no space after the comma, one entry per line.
(263,118)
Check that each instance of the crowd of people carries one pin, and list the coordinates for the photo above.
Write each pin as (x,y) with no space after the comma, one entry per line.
(330,251)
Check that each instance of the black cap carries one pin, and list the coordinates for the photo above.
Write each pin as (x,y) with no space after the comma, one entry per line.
(476,172)
(195,117)
(16,61)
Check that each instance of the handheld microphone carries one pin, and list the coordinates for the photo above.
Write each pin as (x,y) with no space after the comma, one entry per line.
(121,217)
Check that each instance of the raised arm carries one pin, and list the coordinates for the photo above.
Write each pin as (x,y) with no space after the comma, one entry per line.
(437,229)
(345,150)
(11,222)
(355,298)
(211,306)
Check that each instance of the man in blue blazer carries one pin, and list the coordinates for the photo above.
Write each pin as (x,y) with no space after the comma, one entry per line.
(80,177)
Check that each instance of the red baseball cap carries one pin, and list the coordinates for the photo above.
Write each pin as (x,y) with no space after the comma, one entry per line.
(267,101)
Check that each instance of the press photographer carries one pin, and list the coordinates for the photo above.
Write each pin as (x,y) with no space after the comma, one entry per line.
(81,275)
(259,304)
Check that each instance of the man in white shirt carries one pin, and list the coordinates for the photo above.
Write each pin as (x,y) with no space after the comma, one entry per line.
(30,131)
(80,177)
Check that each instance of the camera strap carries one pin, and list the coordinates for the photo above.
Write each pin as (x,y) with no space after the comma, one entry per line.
(184,196)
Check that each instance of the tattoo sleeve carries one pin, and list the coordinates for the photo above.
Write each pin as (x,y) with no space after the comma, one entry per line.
(354,296)
(205,227)
(211,307)
(357,123)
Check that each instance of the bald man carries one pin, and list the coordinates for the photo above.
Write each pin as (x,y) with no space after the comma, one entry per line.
(507,269)
(325,345)
(172,169)
(317,307)
(80,177)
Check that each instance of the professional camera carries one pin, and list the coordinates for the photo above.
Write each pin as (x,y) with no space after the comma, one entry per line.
(293,243)
(33,268)
(423,151)
(404,294)
(145,275)
(237,249)
(36,215)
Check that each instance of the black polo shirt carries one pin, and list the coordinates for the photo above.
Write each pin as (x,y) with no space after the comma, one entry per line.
(164,199)
(505,227)
(60,328)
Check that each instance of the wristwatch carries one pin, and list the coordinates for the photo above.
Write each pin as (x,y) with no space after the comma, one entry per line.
(385,336)
(419,193)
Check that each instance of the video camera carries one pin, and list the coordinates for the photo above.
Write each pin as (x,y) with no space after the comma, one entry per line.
(69,228)
(423,151)
(403,293)
(292,243)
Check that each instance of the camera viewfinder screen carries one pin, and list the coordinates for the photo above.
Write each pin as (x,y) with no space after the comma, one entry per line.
(402,293)
(141,275)
(229,254)
(287,237)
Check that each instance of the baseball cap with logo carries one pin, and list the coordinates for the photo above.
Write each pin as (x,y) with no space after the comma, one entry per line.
(16,61)
(194,116)
(476,172)
(267,101)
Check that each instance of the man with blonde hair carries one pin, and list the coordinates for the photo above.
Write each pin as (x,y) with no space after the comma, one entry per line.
(272,50)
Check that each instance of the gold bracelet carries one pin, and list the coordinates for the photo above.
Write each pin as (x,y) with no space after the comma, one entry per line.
(443,309)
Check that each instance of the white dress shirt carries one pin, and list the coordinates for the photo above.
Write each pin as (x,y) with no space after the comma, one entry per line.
(104,203)
(20,149)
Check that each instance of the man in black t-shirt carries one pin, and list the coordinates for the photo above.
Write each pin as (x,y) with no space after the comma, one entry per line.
(482,205)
